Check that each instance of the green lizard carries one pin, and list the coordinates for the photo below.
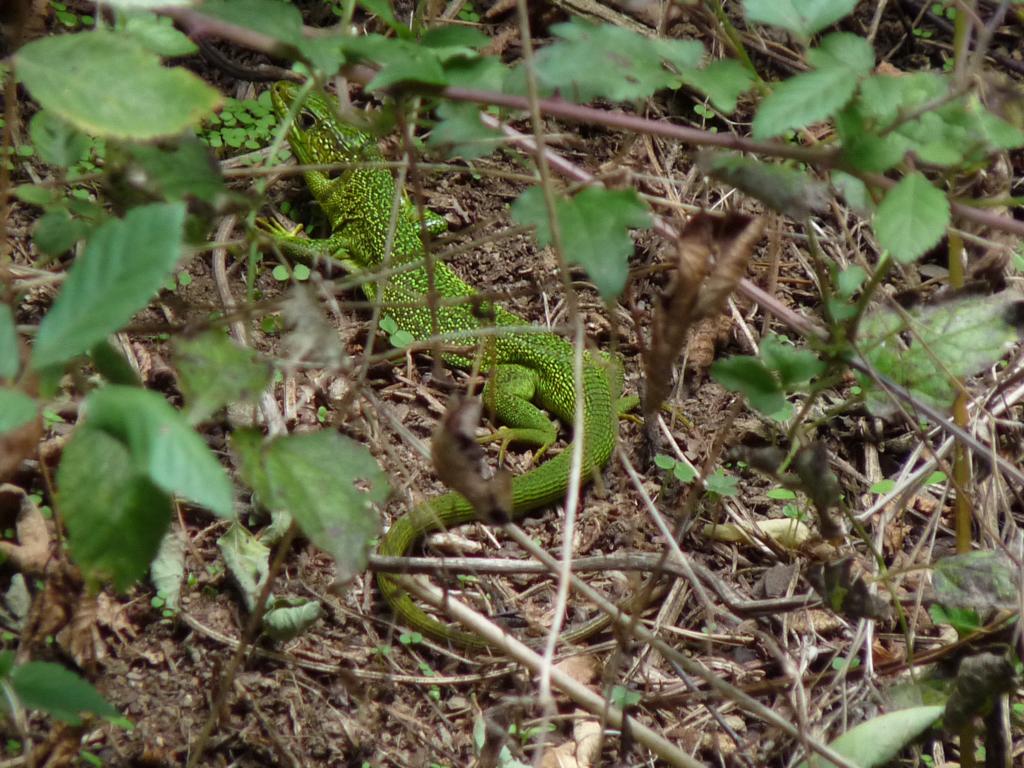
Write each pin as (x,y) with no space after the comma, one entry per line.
(528,367)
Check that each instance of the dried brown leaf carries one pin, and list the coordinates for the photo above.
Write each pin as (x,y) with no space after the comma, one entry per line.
(17,445)
(712,255)
(459,461)
(32,550)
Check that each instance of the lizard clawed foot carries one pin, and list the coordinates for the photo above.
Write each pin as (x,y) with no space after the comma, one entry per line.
(276,229)
(508,435)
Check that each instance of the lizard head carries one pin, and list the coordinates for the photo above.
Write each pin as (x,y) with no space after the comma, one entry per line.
(317,134)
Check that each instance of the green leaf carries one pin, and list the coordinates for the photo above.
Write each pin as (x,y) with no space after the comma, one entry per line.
(912,218)
(486,73)
(56,142)
(181,172)
(157,34)
(980,581)
(35,194)
(951,131)
(721,483)
(623,698)
(662,461)
(329,483)
(801,17)
(794,366)
(843,51)
(55,232)
(749,376)
(801,100)
(460,132)
(839,63)
(115,516)
(854,191)
(214,372)
(287,619)
(592,61)
(875,742)
(683,472)
(112,364)
(16,409)
(955,338)
(455,41)
(162,445)
(71,75)
(593,225)
(401,61)
(125,262)
(9,356)
(248,561)
(6,661)
(965,621)
(724,81)
(167,570)
(59,692)
(786,190)
(277,20)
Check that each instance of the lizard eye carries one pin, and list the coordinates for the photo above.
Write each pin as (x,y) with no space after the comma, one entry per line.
(306,120)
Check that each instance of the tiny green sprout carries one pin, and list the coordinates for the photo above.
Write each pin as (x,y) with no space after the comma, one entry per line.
(882,486)
(466,578)
(781,494)
(382,650)
(301,272)
(192,580)
(704,111)
(410,638)
(157,602)
(624,698)
(469,13)
(321,414)
(722,484)
(434,692)
(936,478)
(184,279)
(90,758)
(425,668)
(281,273)
(388,324)
(681,470)
(839,664)
(401,338)
(793,512)
(271,324)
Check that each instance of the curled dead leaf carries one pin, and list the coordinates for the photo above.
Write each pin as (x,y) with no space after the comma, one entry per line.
(712,256)
(459,461)
(32,551)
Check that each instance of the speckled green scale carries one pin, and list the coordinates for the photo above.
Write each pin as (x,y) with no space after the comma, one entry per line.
(531,367)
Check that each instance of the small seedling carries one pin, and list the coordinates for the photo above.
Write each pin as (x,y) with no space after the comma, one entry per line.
(682,471)
(399,337)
